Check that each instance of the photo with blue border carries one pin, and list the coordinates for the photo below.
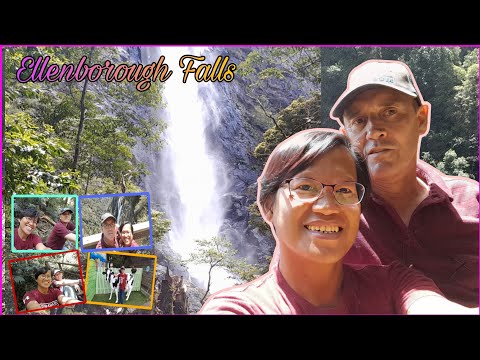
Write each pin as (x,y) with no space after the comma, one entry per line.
(88,242)
(17,196)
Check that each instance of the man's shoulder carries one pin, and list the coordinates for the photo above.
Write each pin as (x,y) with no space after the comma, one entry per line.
(456,184)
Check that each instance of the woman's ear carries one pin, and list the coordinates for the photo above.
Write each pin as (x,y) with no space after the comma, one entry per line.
(266,209)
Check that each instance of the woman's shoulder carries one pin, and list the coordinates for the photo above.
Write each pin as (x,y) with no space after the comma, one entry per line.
(238,299)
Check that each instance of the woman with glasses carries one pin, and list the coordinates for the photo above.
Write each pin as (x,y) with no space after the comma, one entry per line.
(44,296)
(126,235)
(310,193)
(23,237)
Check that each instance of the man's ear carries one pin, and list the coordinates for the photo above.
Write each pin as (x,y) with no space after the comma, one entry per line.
(423,116)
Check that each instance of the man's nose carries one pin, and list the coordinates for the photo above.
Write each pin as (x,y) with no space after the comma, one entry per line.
(375,128)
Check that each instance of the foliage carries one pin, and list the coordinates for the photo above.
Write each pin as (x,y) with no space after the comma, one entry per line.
(301,114)
(100,121)
(453,165)
(218,252)
(160,226)
(30,151)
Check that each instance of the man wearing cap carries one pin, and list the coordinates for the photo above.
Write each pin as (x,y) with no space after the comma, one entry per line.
(58,282)
(62,231)
(415,214)
(109,232)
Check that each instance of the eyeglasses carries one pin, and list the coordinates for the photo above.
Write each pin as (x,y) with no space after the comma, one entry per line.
(309,190)
(108,226)
(44,276)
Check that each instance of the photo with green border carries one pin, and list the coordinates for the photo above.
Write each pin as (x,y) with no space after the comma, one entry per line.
(36,198)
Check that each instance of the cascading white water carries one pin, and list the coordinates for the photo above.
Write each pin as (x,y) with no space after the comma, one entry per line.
(192,180)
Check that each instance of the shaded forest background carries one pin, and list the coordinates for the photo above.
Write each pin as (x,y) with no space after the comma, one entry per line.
(78,138)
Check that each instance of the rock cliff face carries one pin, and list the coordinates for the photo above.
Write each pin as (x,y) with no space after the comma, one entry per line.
(232,133)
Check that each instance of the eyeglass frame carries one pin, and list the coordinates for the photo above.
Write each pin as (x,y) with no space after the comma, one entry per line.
(109,226)
(287,181)
(32,220)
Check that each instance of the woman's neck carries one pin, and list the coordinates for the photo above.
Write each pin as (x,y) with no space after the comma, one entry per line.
(22,234)
(317,283)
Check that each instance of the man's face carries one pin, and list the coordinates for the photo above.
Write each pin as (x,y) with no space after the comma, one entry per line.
(108,230)
(58,276)
(385,124)
(66,217)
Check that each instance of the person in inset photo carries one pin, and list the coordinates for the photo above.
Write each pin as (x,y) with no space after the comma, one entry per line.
(24,236)
(311,193)
(71,288)
(63,230)
(45,296)
(126,235)
(416,214)
(109,237)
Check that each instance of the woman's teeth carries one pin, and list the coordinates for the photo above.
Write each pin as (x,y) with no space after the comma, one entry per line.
(325,229)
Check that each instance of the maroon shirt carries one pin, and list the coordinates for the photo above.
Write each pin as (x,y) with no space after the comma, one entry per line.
(103,245)
(56,239)
(122,284)
(44,300)
(29,244)
(366,289)
(441,239)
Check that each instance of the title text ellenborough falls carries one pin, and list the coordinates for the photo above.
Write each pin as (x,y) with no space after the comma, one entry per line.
(40,69)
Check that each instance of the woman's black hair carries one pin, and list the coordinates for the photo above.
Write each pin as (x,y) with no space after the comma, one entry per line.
(41,270)
(296,154)
(30,212)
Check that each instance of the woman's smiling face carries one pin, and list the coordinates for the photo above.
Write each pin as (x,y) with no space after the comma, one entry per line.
(320,230)
(127,235)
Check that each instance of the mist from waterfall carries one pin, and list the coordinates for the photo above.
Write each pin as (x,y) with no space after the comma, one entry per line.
(190,181)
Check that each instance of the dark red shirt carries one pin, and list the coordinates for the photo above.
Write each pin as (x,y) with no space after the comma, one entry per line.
(122,284)
(29,244)
(56,239)
(366,289)
(44,300)
(441,239)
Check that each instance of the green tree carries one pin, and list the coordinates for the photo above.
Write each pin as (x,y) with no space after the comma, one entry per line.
(29,152)
(288,68)
(89,115)
(453,164)
(218,252)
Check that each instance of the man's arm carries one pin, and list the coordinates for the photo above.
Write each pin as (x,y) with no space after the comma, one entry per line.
(65,300)
(40,246)
(71,237)
(414,293)
(67,282)
(434,304)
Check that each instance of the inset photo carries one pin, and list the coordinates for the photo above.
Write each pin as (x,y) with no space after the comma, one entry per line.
(121,279)
(44,223)
(48,284)
(115,221)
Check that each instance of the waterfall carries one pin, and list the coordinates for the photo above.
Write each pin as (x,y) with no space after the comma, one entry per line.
(188,180)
